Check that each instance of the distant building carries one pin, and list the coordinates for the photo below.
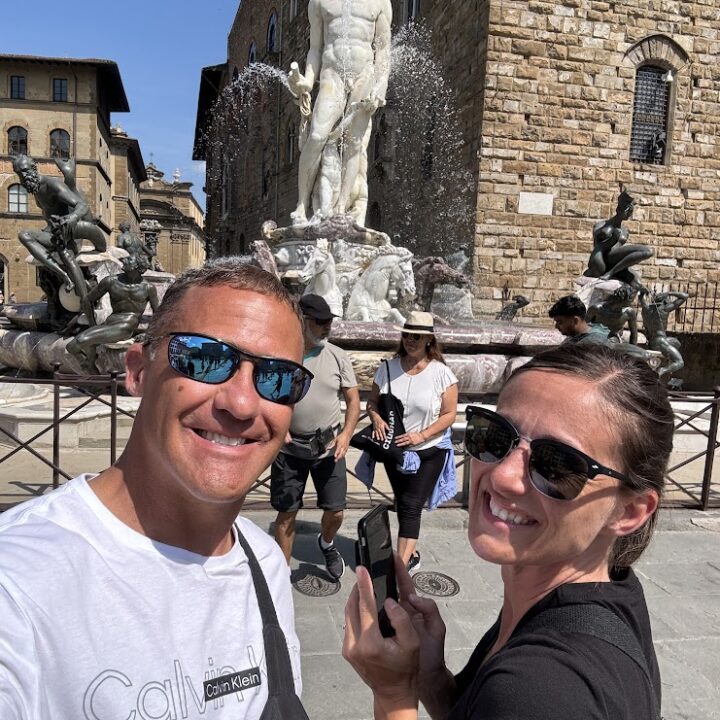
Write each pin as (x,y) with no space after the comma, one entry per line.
(559,103)
(171,215)
(61,107)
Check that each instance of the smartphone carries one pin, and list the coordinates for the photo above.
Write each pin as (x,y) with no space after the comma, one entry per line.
(374,552)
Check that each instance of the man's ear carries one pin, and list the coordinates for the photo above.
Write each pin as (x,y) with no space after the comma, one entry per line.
(634,510)
(135,360)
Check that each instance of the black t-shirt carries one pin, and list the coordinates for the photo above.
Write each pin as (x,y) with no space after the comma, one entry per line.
(546,674)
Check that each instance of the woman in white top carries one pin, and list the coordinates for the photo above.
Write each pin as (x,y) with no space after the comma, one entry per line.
(428,390)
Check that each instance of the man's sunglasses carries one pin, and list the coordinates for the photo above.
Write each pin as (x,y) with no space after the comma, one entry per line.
(557,470)
(212,361)
(321,322)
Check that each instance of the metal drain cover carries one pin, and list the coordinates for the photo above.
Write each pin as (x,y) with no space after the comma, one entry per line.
(308,582)
(435,583)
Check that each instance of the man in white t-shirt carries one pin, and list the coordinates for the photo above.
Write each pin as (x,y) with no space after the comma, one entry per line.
(130,594)
(318,442)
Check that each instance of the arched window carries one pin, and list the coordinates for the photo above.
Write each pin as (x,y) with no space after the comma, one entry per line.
(17,140)
(293,8)
(272,34)
(658,61)
(235,74)
(60,144)
(650,114)
(291,143)
(252,53)
(17,199)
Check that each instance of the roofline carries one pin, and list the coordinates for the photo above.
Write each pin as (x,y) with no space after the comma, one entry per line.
(208,93)
(134,154)
(117,99)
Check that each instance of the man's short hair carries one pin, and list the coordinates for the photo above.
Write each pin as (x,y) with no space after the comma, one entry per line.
(568,306)
(231,271)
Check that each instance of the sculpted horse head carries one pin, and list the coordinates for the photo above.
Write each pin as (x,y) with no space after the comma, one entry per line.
(319,274)
(384,281)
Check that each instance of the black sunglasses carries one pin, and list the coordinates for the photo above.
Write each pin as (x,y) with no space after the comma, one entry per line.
(412,336)
(557,470)
(320,322)
(213,361)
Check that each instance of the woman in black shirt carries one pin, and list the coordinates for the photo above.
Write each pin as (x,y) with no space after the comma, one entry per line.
(567,476)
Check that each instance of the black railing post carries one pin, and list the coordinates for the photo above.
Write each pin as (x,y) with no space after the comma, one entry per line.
(711,445)
(56,427)
(113,416)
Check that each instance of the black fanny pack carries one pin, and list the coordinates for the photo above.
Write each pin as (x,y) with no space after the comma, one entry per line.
(309,446)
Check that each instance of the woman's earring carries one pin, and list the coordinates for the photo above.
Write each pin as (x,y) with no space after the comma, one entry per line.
(427,346)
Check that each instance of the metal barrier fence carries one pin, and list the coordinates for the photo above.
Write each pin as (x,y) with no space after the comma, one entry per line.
(701,311)
(696,438)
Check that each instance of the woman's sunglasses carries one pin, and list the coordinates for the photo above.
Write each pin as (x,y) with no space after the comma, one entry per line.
(212,361)
(557,470)
(412,336)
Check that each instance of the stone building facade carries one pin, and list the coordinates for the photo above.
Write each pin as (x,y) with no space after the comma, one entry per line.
(560,103)
(172,217)
(56,107)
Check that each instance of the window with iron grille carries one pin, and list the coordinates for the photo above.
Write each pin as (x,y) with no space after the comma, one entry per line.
(17,87)
(650,116)
(60,144)
(17,140)
(60,90)
(17,199)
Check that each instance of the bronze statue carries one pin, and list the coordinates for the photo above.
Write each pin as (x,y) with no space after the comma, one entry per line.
(655,316)
(133,244)
(611,257)
(430,272)
(615,312)
(129,295)
(509,310)
(69,219)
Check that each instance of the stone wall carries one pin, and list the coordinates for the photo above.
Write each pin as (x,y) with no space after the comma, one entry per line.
(556,124)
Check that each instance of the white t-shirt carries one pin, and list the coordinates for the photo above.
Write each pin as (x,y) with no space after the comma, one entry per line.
(421,394)
(99,622)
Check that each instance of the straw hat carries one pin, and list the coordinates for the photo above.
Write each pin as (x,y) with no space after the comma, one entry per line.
(420,323)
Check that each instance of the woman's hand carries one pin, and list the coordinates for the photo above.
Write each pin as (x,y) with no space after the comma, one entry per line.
(436,684)
(428,624)
(380,427)
(389,666)
(409,439)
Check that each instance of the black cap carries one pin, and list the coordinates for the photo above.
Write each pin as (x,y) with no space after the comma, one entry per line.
(314,306)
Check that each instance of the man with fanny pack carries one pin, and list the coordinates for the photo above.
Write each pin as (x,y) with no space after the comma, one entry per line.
(316,444)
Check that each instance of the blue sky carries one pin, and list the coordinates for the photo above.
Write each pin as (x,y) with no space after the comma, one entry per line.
(160,47)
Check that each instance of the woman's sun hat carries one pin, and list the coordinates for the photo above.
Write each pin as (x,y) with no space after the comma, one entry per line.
(419,323)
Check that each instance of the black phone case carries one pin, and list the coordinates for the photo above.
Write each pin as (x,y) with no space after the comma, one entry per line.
(386,629)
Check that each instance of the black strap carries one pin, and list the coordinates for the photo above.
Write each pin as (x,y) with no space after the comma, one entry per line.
(604,624)
(387,370)
(277,656)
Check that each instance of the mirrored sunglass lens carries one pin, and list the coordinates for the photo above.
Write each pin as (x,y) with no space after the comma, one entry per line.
(277,381)
(202,359)
(487,440)
(557,472)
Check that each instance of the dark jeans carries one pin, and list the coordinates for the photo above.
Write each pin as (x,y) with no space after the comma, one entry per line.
(412,491)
